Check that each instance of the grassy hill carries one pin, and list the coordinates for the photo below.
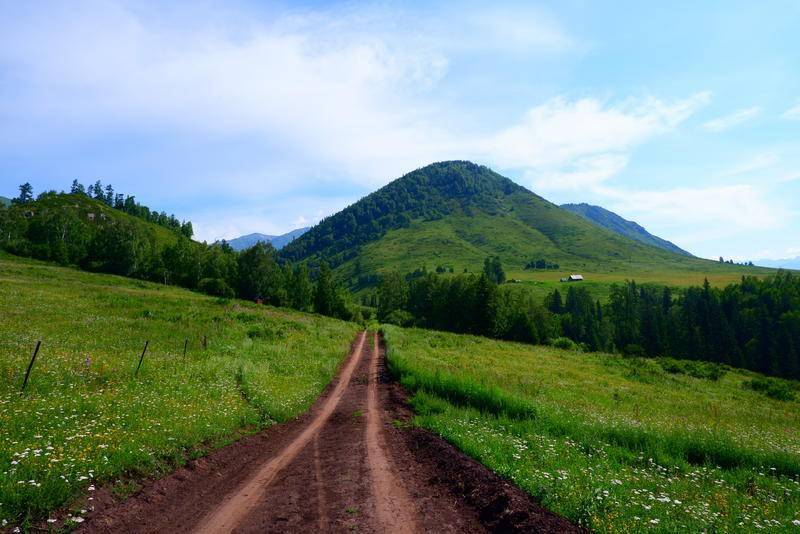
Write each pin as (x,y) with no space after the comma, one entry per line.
(611,221)
(87,418)
(615,444)
(455,214)
(87,215)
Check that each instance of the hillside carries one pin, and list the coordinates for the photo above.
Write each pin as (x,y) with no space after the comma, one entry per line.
(277,241)
(73,229)
(614,444)
(456,213)
(214,370)
(611,221)
(5,201)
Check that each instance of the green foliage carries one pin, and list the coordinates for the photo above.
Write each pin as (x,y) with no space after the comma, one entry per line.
(705,370)
(774,388)
(588,436)
(565,343)
(493,269)
(392,295)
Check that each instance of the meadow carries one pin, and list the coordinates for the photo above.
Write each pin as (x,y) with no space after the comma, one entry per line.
(614,444)
(88,418)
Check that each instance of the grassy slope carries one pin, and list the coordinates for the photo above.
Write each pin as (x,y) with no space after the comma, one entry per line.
(617,445)
(464,242)
(85,418)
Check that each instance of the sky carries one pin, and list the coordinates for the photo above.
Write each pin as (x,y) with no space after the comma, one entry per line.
(263,117)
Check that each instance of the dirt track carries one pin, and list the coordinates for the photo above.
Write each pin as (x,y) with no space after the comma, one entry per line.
(343,466)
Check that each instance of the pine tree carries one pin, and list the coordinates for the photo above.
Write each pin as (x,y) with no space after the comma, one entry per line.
(109,198)
(98,192)
(25,194)
(77,188)
(324,293)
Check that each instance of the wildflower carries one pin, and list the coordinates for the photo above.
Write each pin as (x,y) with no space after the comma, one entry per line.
(654,521)
(796,522)
(52,520)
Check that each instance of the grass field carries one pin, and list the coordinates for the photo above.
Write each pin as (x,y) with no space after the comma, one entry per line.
(617,445)
(86,418)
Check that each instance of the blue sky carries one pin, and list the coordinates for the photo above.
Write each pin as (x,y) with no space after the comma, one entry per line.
(257,116)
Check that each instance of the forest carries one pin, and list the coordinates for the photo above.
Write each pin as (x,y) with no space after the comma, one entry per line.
(753,324)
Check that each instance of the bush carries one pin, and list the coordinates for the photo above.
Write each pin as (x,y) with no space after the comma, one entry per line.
(399,318)
(774,388)
(697,369)
(216,287)
(565,343)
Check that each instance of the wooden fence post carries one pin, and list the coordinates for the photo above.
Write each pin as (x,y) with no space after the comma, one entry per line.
(141,358)
(185,346)
(30,364)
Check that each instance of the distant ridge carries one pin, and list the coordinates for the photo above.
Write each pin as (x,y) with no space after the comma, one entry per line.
(611,221)
(5,201)
(278,241)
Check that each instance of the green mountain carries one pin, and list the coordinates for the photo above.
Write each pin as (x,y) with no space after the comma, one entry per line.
(610,220)
(454,214)
(5,201)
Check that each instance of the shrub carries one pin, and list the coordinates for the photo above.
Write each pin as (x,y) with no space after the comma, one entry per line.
(697,369)
(774,388)
(216,287)
(564,343)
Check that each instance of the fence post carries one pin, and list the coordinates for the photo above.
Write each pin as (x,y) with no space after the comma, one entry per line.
(185,346)
(30,364)
(141,358)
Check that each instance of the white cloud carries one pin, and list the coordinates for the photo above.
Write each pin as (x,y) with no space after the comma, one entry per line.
(565,144)
(752,164)
(702,213)
(792,113)
(726,122)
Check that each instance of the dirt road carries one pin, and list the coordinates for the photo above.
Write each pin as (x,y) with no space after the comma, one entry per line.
(351,463)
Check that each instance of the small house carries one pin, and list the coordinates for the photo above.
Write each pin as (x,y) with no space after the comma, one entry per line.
(575,278)
(90,216)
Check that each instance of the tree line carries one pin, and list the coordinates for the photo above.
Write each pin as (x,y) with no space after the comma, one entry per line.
(53,232)
(106,195)
(753,324)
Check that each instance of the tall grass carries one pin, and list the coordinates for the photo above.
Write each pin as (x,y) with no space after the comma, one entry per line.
(477,393)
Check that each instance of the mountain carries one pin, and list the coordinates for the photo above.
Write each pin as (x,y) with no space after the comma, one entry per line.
(278,241)
(454,214)
(611,221)
(789,263)
(5,201)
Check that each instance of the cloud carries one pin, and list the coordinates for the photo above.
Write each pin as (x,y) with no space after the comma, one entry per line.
(726,122)
(792,113)
(564,144)
(710,212)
